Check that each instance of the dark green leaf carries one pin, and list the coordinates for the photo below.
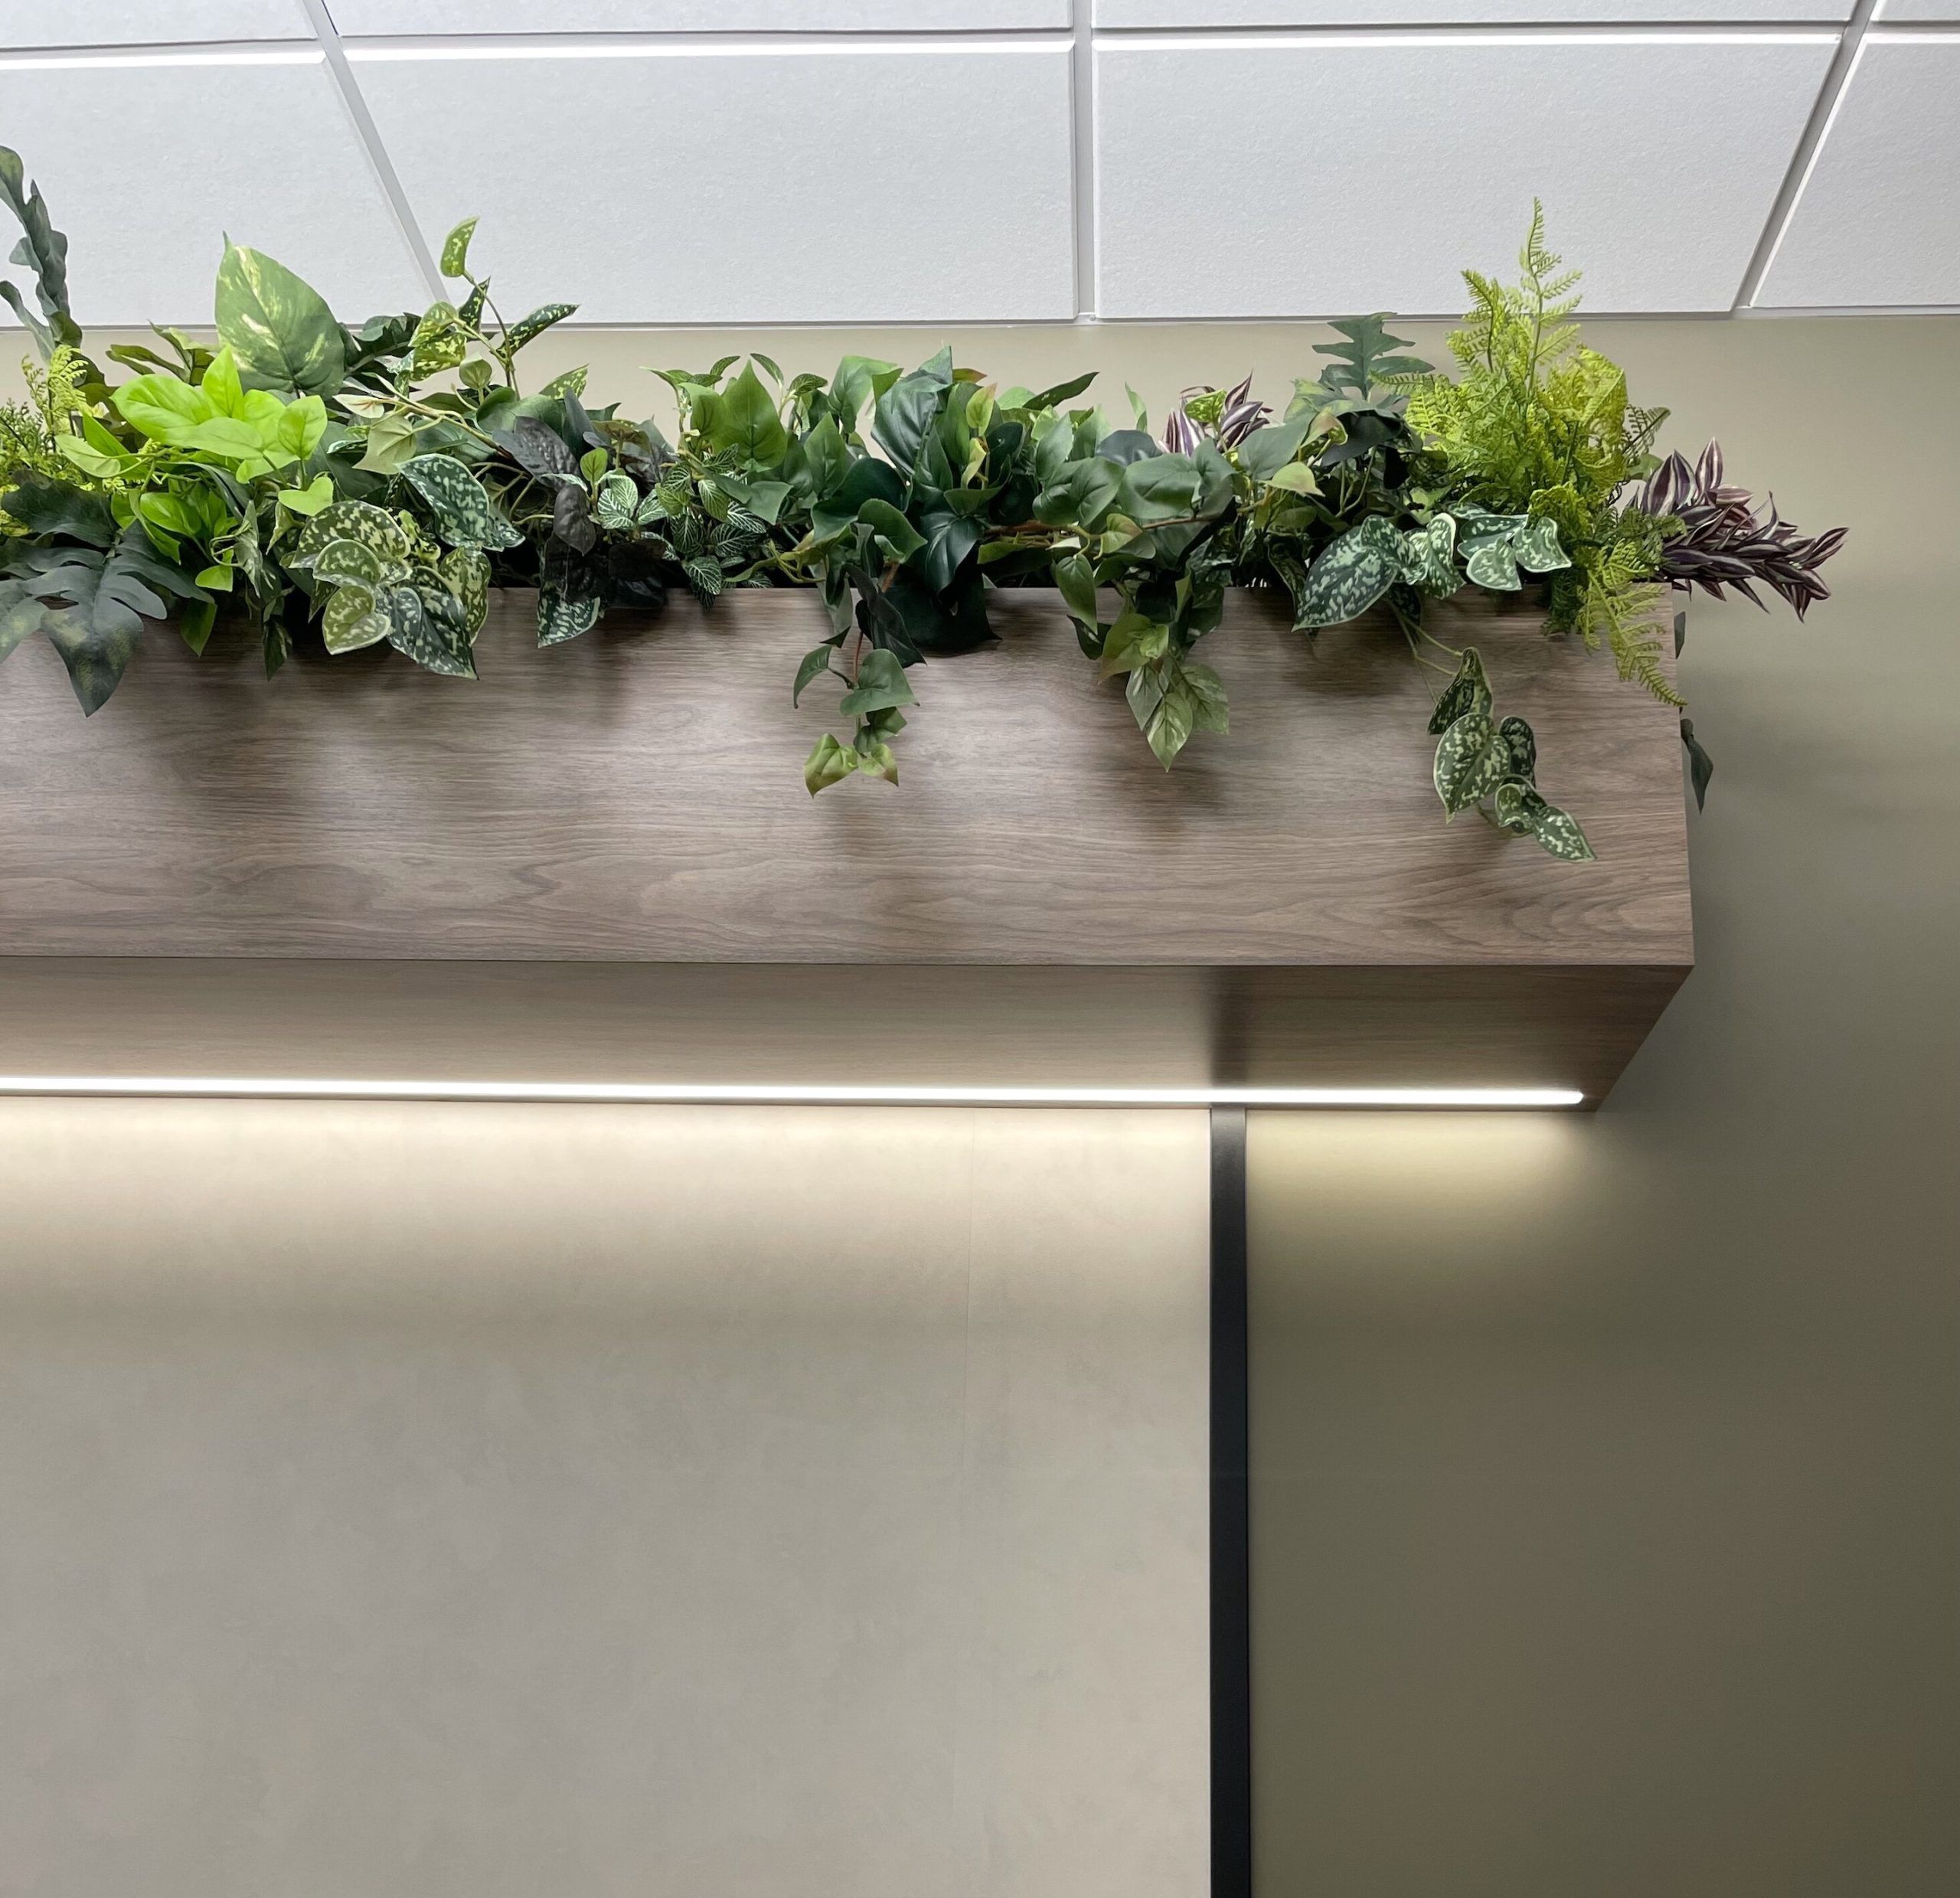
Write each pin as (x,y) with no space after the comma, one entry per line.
(816,662)
(1469,692)
(1352,575)
(527,329)
(563,615)
(1701,767)
(1471,759)
(464,516)
(1522,745)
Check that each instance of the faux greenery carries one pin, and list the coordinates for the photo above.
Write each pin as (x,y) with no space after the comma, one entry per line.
(363,486)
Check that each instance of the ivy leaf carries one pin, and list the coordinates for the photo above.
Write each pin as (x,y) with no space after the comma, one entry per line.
(359,520)
(1352,575)
(875,759)
(390,442)
(1469,692)
(899,538)
(353,619)
(345,562)
(1557,832)
(527,329)
(466,571)
(815,663)
(1509,804)
(277,325)
(1429,557)
(456,249)
(1207,691)
(425,624)
(1134,640)
(440,341)
(906,412)
(562,615)
(881,685)
(743,421)
(1075,580)
(1535,546)
(828,763)
(1470,761)
(464,516)
(1522,744)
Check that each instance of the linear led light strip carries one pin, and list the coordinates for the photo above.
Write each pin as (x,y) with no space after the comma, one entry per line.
(270,1087)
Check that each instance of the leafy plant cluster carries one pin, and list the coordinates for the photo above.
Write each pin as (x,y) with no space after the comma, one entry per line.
(359,487)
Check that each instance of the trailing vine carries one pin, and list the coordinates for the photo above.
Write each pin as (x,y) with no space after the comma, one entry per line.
(358,487)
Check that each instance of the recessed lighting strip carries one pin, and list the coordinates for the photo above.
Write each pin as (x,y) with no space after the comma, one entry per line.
(699,1094)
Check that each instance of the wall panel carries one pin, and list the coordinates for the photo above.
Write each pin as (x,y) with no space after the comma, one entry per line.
(473,1504)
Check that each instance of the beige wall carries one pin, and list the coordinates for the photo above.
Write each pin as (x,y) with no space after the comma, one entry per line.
(492,1502)
(1607,1470)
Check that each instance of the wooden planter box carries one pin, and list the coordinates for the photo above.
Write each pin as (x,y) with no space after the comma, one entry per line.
(599,861)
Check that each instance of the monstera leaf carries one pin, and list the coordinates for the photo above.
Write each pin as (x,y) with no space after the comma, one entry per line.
(92,603)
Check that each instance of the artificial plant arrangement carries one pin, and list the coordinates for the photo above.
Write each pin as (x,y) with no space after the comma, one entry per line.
(363,486)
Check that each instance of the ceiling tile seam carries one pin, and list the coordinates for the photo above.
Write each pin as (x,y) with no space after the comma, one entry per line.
(1082,197)
(463,46)
(1810,146)
(1494,32)
(180,52)
(369,135)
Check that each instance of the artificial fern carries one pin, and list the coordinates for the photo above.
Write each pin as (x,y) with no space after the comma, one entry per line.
(1538,424)
(30,432)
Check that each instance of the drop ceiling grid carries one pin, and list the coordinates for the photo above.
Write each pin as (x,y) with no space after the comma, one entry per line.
(955,126)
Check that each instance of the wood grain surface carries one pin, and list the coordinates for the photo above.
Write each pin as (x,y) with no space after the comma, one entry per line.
(636,796)
(599,861)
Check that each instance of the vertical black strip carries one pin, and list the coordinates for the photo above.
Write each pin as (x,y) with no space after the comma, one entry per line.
(1231,1518)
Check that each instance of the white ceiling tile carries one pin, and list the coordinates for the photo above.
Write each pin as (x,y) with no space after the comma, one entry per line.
(1893,11)
(1878,219)
(837,182)
(1463,13)
(27,23)
(260,147)
(1365,171)
(484,17)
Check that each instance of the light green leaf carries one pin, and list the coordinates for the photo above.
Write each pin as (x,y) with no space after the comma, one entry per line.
(1490,563)
(352,521)
(390,442)
(354,618)
(463,510)
(456,249)
(1134,640)
(440,342)
(163,409)
(351,563)
(277,325)
(875,760)
(829,763)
